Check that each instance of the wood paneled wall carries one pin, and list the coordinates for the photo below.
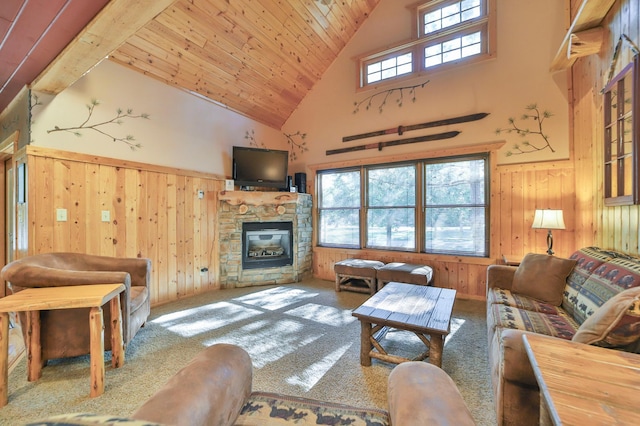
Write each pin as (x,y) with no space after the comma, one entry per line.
(155,212)
(607,227)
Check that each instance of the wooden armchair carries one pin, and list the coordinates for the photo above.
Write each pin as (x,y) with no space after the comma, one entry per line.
(65,333)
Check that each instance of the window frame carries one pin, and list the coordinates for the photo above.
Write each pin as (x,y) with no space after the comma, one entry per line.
(420,203)
(486,24)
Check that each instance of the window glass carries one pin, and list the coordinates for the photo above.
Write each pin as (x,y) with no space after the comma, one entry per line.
(390,67)
(456,207)
(391,207)
(339,208)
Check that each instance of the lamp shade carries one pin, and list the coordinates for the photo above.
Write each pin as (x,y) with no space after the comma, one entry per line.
(548,219)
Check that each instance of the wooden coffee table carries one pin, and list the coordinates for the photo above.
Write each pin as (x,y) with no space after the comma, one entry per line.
(424,310)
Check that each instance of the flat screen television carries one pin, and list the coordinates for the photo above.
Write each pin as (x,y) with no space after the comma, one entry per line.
(260,167)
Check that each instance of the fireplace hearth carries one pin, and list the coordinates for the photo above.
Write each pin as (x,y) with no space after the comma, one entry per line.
(267,244)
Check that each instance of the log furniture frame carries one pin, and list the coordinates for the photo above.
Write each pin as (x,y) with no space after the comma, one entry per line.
(33,300)
(423,310)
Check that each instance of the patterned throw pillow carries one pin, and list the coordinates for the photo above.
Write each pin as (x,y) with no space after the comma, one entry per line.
(607,280)
(587,260)
(616,324)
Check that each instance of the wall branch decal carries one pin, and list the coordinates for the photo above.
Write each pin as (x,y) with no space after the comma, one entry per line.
(97,127)
(386,93)
(526,146)
(301,145)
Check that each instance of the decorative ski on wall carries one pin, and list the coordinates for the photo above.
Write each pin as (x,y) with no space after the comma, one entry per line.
(380,145)
(401,129)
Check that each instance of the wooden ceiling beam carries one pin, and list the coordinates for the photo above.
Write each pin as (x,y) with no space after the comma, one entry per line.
(115,23)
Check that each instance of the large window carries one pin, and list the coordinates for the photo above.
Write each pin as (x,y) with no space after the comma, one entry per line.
(339,217)
(450,32)
(430,206)
(456,208)
(391,207)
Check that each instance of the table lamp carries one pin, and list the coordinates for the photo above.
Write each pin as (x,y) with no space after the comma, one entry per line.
(548,219)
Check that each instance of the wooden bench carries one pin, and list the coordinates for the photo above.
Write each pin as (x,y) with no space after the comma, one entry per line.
(357,275)
(404,273)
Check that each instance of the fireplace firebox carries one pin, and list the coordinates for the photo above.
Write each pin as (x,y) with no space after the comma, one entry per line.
(267,244)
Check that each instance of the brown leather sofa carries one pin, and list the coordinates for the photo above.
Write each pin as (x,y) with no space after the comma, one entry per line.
(65,333)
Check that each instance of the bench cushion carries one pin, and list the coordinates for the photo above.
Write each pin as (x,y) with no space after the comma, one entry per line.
(405,273)
(358,267)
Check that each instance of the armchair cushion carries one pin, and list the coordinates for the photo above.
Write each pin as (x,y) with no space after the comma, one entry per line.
(542,277)
(65,333)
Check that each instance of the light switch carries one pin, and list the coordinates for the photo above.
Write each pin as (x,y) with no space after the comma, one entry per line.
(61,215)
(106,216)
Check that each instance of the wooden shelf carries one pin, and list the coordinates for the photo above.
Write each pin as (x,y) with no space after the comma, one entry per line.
(589,16)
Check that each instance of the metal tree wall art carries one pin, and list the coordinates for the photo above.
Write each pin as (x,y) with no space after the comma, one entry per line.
(100,126)
(368,101)
(526,146)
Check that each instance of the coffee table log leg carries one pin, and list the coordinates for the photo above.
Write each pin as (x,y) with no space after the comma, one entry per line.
(4,358)
(365,343)
(96,333)
(117,345)
(34,349)
(435,349)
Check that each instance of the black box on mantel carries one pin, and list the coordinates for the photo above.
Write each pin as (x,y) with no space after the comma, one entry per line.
(301,182)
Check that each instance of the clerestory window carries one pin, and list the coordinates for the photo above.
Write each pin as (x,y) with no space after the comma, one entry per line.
(450,33)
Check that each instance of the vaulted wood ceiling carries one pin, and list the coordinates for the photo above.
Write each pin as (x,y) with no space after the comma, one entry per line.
(257,57)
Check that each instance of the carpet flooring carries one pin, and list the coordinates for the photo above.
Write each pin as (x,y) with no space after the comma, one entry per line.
(302,339)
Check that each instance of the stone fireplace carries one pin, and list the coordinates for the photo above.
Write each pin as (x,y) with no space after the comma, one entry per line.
(264,237)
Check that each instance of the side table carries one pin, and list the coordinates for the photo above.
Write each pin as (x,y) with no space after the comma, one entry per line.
(584,384)
(34,300)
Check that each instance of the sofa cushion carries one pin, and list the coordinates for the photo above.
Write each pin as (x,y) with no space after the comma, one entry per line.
(616,324)
(542,277)
(609,279)
(506,297)
(587,260)
(560,325)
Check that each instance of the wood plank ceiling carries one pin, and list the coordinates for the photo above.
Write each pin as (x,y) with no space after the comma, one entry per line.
(257,57)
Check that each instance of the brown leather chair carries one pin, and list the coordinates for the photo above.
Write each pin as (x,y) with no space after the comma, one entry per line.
(65,332)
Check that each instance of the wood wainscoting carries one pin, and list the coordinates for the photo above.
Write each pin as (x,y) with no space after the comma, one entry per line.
(154,212)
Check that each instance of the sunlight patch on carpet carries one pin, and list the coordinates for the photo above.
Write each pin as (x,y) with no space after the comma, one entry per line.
(456,323)
(323,314)
(275,298)
(312,374)
(268,341)
(205,318)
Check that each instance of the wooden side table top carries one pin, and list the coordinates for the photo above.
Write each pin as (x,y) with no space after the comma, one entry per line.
(584,384)
(33,300)
(43,298)
(410,307)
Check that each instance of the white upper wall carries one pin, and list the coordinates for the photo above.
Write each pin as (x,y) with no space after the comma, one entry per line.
(529,34)
(189,132)
(183,130)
